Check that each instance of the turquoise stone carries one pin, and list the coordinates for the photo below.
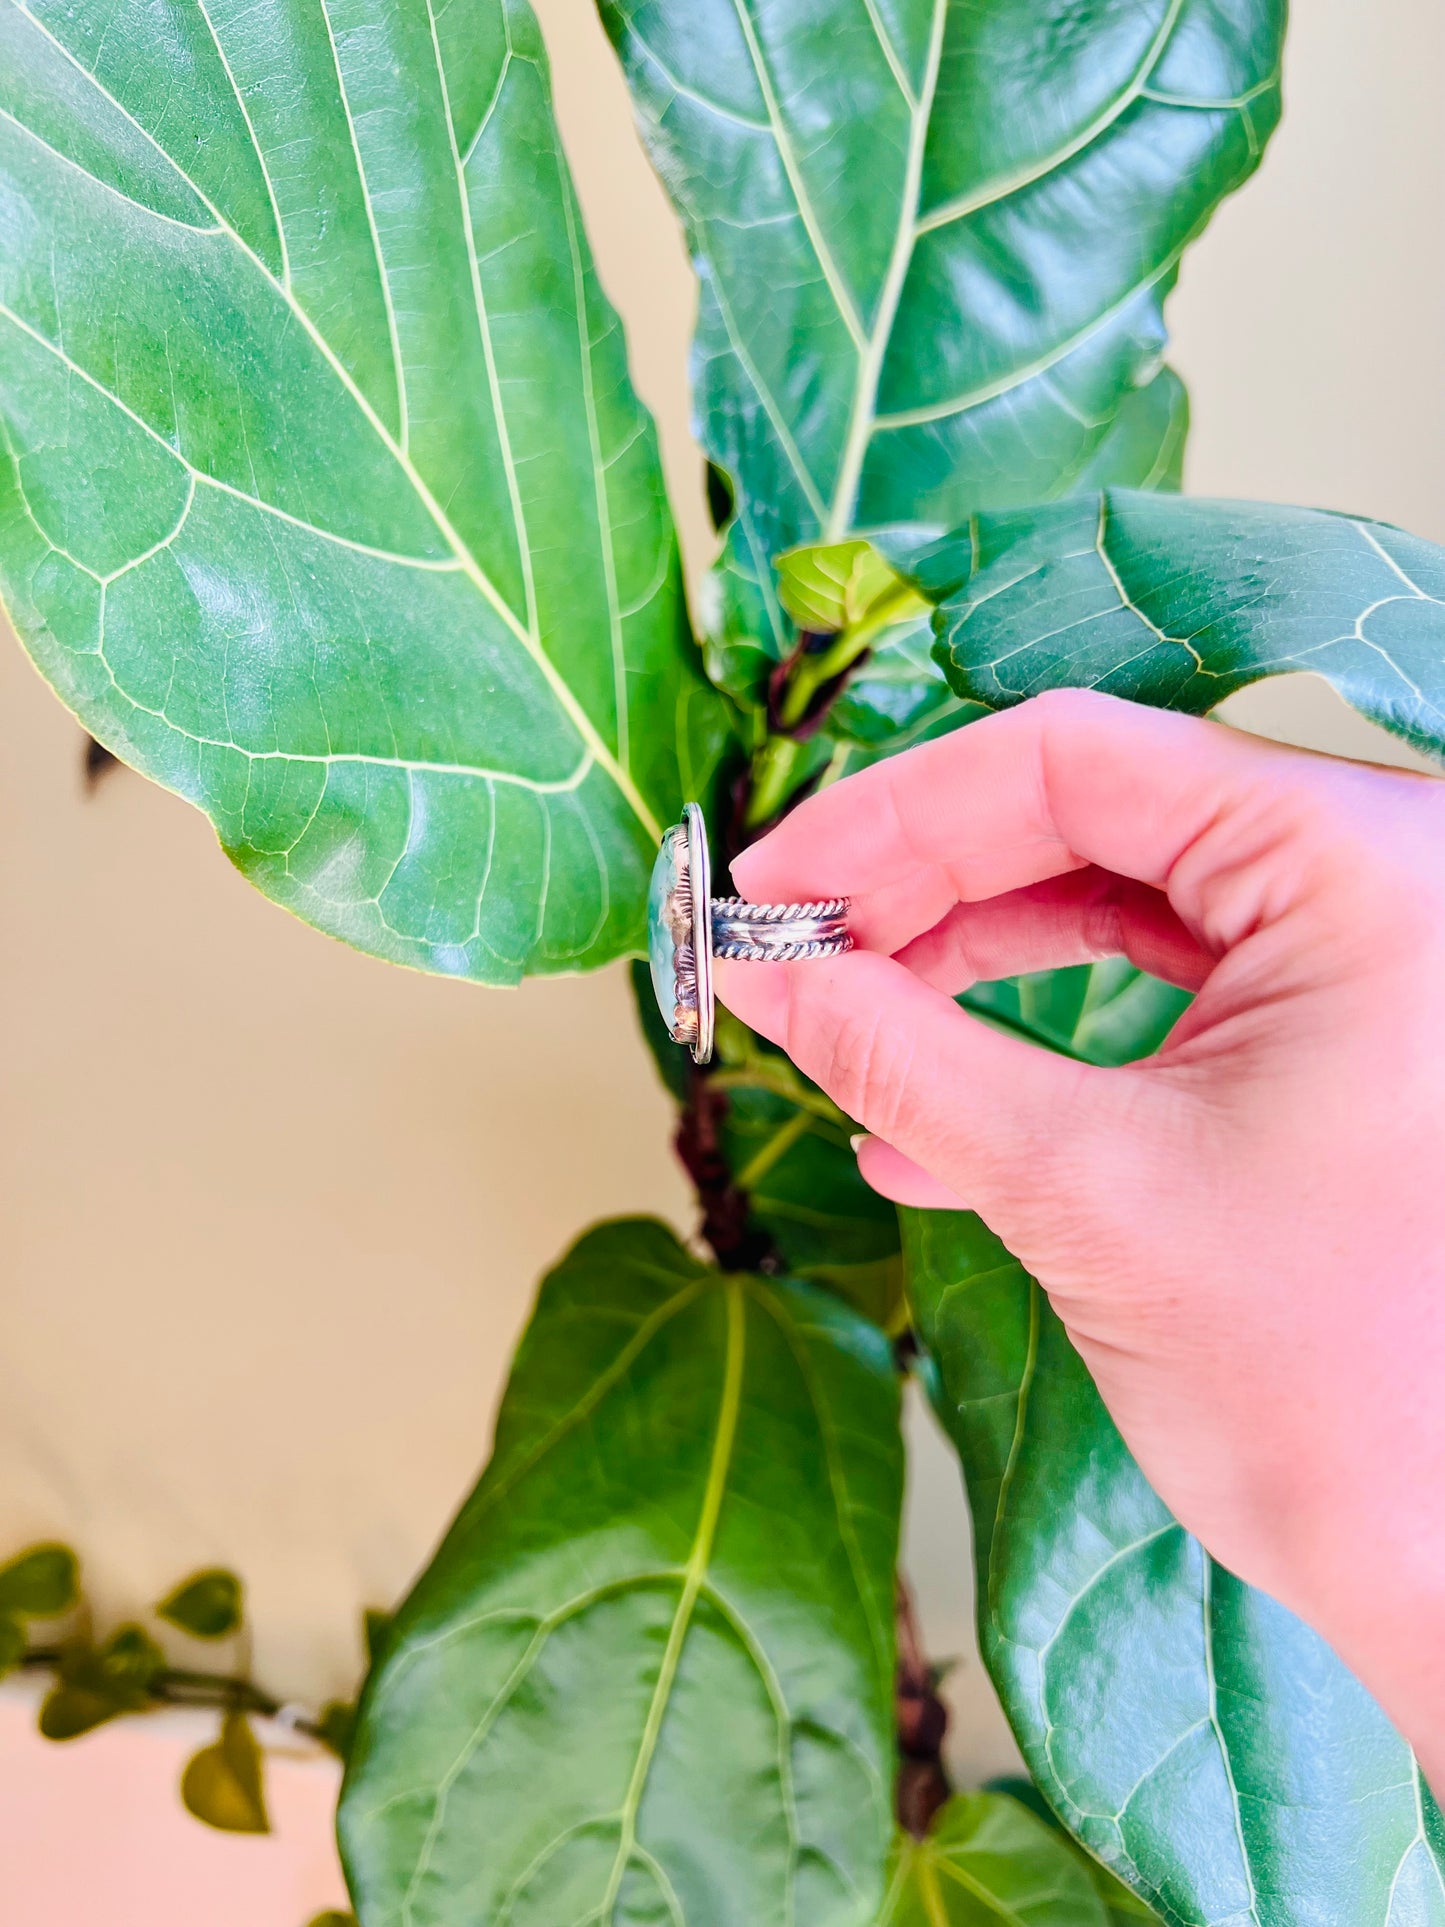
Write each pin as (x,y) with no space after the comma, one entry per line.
(663,933)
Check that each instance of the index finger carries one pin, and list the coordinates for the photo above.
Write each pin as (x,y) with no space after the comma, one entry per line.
(1069,778)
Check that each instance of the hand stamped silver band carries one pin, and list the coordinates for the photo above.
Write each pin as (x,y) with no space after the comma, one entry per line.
(687,928)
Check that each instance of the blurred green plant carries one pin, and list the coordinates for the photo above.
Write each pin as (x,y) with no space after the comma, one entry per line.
(95,1681)
(326,501)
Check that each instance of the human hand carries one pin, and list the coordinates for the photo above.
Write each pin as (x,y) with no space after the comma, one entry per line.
(1245,1235)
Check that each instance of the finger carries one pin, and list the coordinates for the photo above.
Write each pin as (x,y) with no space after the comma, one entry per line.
(894,1176)
(1021,796)
(1073,919)
(973,1107)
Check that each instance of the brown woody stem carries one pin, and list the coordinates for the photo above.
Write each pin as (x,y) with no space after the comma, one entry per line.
(922,1718)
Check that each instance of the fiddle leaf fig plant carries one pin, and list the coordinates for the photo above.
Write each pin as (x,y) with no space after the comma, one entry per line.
(326,500)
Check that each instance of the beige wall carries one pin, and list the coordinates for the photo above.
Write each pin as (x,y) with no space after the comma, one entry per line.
(271,1213)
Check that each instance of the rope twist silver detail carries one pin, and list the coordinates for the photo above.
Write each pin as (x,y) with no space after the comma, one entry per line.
(779,932)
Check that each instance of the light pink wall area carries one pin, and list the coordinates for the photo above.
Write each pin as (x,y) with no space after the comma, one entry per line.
(93,1833)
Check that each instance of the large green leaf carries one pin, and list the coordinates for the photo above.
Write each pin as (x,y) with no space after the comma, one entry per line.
(933,239)
(1180,603)
(324,497)
(1196,1736)
(988,1862)
(648,1676)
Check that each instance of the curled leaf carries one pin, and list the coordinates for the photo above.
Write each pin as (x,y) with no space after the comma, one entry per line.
(40,1583)
(208,1605)
(222,1784)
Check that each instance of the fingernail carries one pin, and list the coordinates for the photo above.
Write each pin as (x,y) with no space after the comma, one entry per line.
(857,1141)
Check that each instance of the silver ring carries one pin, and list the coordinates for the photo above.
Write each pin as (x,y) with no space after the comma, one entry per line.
(687,927)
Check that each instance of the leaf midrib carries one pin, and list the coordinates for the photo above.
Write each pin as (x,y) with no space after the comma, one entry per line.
(530,641)
(699,1559)
(1117,107)
(863,414)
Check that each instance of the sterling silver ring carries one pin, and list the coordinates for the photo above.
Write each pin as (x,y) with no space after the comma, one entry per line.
(687,927)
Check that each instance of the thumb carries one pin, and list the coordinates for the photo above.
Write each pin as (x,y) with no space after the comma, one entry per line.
(999,1123)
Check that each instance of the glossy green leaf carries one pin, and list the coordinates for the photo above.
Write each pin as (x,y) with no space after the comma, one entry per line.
(224,1785)
(324,496)
(98,1683)
(1124,1909)
(1200,1740)
(989,1862)
(40,1583)
(1179,603)
(933,240)
(1105,1013)
(208,1605)
(648,1676)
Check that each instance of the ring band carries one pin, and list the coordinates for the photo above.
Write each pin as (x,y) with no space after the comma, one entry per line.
(687,927)
(779,932)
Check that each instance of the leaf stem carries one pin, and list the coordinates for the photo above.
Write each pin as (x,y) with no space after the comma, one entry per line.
(814,671)
(182,1686)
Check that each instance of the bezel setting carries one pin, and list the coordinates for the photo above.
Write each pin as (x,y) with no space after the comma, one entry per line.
(680,936)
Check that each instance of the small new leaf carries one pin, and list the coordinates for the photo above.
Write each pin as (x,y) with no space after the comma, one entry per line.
(98,1683)
(208,1605)
(831,587)
(332,1917)
(222,1784)
(40,1583)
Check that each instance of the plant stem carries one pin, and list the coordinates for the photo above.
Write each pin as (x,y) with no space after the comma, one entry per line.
(922,1718)
(736,1243)
(179,1686)
(813,671)
(774,768)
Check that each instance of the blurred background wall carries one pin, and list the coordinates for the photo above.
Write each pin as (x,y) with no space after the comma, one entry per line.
(271,1213)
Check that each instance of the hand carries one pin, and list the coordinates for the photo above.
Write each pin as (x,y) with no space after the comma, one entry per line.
(1245,1235)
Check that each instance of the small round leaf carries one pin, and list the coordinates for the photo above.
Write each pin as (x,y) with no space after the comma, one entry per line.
(207,1605)
(40,1583)
(222,1784)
